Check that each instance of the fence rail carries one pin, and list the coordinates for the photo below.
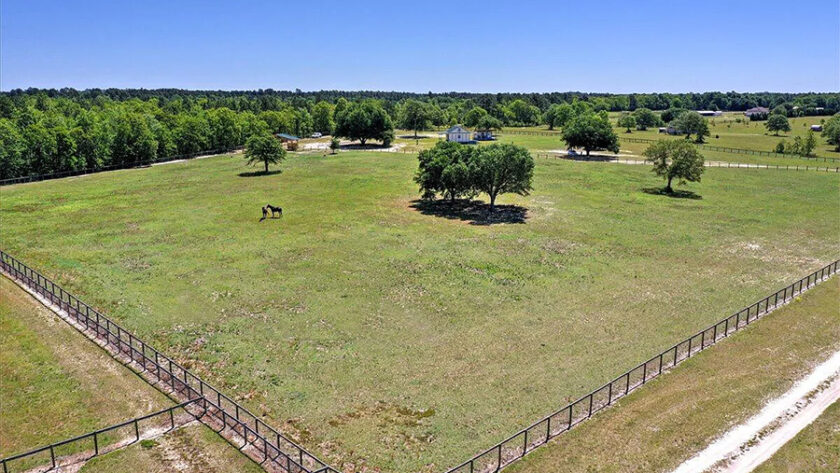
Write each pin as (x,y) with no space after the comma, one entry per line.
(708,164)
(95,443)
(113,167)
(265,444)
(727,149)
(526,440)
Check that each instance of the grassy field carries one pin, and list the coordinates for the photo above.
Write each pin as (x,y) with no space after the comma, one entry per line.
(191,449)
(53,391)
(663,424)
(408,337)
(814,449)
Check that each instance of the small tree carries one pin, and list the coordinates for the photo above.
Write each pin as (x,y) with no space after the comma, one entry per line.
(501,168)
(781,147)
(627,121)
(334,145)
(264,149)
(675,159)
(809,143)
(590,132)
(414,115)
(777,123)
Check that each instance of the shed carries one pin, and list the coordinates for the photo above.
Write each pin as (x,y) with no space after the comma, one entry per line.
(757,112)
(285,137)
(816,127)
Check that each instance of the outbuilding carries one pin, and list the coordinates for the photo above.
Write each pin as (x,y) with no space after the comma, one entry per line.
(757,112)
(816,127)
(458,134)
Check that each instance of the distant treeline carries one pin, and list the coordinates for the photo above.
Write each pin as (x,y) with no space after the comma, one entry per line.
(44,131)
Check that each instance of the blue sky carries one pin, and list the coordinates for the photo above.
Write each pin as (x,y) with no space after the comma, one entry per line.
(524,46)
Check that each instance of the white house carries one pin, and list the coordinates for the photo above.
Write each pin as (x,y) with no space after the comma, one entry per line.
(458,134)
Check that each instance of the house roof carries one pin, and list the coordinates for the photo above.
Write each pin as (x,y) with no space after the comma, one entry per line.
(286,136)
(457,129)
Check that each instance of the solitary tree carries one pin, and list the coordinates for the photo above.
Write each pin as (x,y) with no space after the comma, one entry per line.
(777,123)
(500,169)
(322,117)
(444,170)
(627,121)
(265,149)
(334,144)
(692,123)
(675,159)
(414,115)
(590,132)
(809,143)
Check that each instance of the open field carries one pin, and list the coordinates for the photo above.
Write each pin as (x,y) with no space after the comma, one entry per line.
(658,427)
(816,448)
(52,391)
(191,449)
(408,339)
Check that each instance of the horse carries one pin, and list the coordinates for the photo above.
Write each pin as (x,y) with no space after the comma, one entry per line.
(274,210)
(265,214)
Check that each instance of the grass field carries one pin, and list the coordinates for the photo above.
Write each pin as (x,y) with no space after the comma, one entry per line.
(815,449)
(52,391)
(408,339)
(191,449)
(674,417)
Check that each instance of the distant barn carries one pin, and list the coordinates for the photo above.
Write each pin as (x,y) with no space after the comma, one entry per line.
(757,112)
(816,127)
(710,113)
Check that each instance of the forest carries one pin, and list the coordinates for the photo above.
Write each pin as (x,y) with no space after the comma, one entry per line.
(45,131)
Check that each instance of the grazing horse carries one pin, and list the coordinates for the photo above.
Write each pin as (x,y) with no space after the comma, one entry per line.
(274,210)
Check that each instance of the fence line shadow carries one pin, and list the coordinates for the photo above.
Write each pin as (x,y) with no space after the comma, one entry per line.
(475,212)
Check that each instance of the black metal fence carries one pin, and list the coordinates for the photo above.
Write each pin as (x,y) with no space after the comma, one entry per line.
(526,440)
(92,444)
(260,441)
(708,164)
(113,167)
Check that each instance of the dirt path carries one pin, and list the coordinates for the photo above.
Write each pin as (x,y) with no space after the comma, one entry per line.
(747,445)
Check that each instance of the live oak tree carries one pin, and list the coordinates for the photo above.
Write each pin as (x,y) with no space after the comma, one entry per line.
(363,121)
(675,159)
(444,170)
(264,149)
(558,115)
(500,169)
(472,117)
(334,144)
(777,123)
(590,132)
(488,123)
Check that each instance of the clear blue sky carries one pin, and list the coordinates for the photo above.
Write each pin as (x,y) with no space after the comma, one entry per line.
(458,45)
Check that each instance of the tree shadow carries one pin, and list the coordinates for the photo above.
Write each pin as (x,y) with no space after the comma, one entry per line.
(475,212)
(419,137)
(259,173)
(676,194)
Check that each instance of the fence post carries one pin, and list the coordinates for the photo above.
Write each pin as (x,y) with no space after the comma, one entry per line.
(95,444)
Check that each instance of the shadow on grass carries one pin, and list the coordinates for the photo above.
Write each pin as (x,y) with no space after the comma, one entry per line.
(677,194)
(258,173)
(475,212)
(418,137)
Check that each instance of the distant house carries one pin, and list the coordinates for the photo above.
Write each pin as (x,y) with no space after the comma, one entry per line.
(710,113)
(816,127)
(458,134)
(757,112)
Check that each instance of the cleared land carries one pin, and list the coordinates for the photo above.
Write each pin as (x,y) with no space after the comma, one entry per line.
(410,338)
(816,449)
(192,449)
(660,426)
(56,384)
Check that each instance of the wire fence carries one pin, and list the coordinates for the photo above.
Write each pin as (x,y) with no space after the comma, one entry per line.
(92,444)
(708,164)
(260,441)
(113,167)
(526,440)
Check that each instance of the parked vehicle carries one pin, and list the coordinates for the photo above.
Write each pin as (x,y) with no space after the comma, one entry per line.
(317,134)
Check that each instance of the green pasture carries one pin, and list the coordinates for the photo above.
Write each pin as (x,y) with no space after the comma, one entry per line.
(387,333)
